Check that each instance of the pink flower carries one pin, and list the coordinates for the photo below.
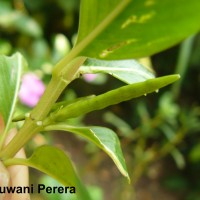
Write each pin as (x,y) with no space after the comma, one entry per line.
(31,89)
(89,77)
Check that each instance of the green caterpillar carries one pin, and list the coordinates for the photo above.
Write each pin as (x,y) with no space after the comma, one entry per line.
(113,97)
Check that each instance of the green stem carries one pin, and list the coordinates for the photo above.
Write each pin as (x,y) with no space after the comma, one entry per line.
(15,161)
(90,37)
(33,123)
(64,72)
(56,86)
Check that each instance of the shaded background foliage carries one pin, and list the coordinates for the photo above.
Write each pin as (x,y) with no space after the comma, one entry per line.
(159,133)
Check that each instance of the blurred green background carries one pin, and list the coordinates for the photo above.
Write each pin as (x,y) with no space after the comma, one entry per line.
(159,133)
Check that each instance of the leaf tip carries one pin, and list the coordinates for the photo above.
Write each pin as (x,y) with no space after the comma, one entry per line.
(128,179)
(126,175)
(178,76)
(173,77)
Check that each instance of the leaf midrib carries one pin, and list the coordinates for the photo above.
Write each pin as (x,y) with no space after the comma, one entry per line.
(99,28)
(15,92)
(77,49)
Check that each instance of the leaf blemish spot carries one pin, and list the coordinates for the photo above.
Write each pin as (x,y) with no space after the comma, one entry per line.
(115,47)
(149,3)
(138,19)
(130,20)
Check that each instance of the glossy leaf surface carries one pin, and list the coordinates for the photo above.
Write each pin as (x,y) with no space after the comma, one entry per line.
(104,138)
(10,74)
(122,29)
(128,71)
(55,163)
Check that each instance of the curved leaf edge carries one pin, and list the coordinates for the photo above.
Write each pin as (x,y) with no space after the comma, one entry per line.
(18,62)
(128,71)
(74,181)
(97,141)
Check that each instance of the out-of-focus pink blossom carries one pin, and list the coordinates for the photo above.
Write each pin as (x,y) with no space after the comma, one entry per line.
(31,89)
(89,77)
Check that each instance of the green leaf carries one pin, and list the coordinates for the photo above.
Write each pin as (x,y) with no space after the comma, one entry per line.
(61,168)
(128,71)
(104,138)
(122,29)
(12,19)
(49,181)
(194,154)
(124,129)
(112,97)
(178,157)
(10,74)
(56,164)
